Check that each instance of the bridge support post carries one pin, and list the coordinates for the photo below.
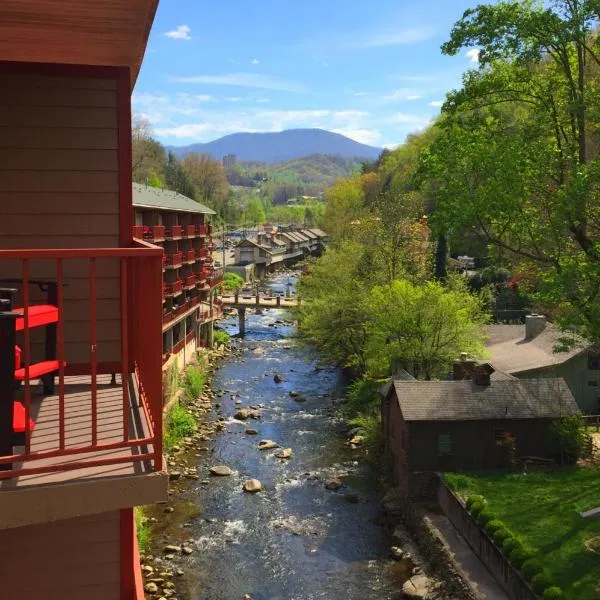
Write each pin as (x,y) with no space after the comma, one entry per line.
(278,300)
(242,321)
(210,334)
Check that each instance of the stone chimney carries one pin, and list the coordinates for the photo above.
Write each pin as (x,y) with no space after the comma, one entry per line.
(463,368)
(482,374)
(534,325)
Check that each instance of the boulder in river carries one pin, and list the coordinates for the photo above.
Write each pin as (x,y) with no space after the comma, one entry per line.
(250,431)
(333,484)
(220,470)
(277,378)
(417,587)
(284,453)
(294,394)
(267,445)
(242,414)
(252,486)
(396,552)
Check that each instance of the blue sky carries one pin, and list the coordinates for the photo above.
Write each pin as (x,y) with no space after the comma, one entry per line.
(370,70)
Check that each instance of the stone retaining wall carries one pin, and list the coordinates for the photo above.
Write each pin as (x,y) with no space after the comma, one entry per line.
(509,578)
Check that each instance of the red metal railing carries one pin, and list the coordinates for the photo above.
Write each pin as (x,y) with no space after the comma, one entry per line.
(157,233)
(174,260)
(178,346)
(201,253)
(189,281)
(202,229)
(140,231)
(137,357)
(174,231)
(216,279)
(189,256)
(167,317)
(174,288)
(190,336)
(190,230)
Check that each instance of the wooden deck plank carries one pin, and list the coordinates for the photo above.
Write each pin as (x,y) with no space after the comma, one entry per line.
(78,432)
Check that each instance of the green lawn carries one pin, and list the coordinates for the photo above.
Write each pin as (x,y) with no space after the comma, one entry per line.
(541,509)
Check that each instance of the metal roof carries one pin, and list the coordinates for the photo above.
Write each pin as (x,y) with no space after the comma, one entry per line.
(147,196)
(502,399)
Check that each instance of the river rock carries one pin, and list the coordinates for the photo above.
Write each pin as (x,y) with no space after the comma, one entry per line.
(174,475)
(417,587)
(267,445)
(252,486)
(221,470)
(300,398)
(277,378)
(169,509)
(247,597)
(294,394)
(284,453)
(396,552)
(254,414)
(171,548)
(242,414)
(151,588)
(250,431)
(187,549)
(333,484)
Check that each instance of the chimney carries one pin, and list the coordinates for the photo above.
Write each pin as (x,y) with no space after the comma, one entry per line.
(482,374)
(534,325)
(463,368)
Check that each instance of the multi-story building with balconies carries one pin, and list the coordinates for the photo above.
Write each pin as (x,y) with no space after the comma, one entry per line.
(191,284)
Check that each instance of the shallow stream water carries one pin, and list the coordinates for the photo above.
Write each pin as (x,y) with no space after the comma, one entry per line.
(295,540)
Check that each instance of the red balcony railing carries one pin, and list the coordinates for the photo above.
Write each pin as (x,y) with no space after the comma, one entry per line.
(174,232)
(189,256)
(167,317)
(217,278)
(190,230)
(209,229)
(174,260)
(202,229)
(203,274)
(140,231)
(189,281)
(201,253)
(178,346)
(85,422)
(157,233)
(190,337)
(174,288)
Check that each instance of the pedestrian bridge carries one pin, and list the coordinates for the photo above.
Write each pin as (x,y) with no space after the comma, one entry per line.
(259,301)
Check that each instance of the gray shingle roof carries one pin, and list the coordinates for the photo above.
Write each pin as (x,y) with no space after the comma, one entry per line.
(152,197)
(512,353)
(502,399)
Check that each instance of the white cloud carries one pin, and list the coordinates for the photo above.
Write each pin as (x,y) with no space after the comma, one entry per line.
(251,80)
(255,61)
(233,99)
(473,54)
(181,32)
(410,35)
(436,103)
(402,95)
(415,122)
(262,100)
(364,136)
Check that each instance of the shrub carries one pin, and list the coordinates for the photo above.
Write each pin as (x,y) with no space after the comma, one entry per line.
(474,499)
(485,516)
(232,281)
(476,508)
(540,582)
(509,545)
(553,593)
(501,535)
(458,481)
(518,556)
(493,526)
(574,439)
(178,424)
(193,382)
(530,568)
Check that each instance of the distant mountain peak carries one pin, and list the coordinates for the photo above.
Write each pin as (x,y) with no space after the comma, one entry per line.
(272,147)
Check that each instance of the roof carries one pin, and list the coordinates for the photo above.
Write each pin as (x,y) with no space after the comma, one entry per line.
(318,232)
(288,236)
(152,197)
(308,233)
(543,398)
(248,241)
(512,353)
(277,242)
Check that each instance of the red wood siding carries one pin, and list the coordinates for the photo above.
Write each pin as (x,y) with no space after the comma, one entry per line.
(67,560)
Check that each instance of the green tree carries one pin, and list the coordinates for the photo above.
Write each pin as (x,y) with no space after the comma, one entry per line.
(148,155)
(176,178)
(424,326)
(209,180)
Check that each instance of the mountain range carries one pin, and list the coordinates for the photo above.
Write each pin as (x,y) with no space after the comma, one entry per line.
(280,146)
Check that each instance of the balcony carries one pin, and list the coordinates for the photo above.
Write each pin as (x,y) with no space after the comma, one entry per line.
(174,261)
(217,278)
(100,429)
(189,281)
(202,230)
(189,257)
(174,232)
(190,231)
(149,233)
(173,315)
(201,254)
(175,288)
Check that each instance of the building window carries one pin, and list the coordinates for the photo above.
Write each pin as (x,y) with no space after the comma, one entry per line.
(593,361)
(444,443)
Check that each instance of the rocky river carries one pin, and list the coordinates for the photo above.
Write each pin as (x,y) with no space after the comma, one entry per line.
(314,530)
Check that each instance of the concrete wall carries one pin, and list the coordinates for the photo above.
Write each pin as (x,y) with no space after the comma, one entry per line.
(507,576)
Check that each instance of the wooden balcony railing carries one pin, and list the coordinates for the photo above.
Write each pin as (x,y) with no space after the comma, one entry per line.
(149,233)
(189,256)
(189,281)
(174,232)
(174,260)
(140,232)
(86,422)
(190,230)
(190,337)
(178,346)
(174,288)
(202,229)
(201,253)
(217,278)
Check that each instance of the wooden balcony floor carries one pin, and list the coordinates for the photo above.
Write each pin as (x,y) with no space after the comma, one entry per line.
(78,432)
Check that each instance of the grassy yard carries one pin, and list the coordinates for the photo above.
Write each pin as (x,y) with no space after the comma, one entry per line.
(541,509)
